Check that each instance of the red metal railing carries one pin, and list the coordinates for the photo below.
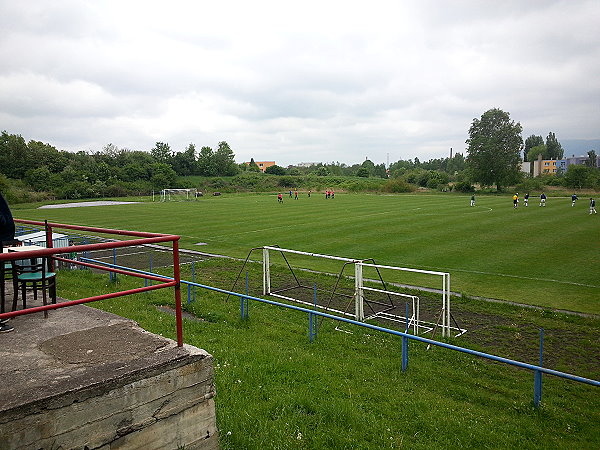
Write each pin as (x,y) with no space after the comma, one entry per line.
(144,238)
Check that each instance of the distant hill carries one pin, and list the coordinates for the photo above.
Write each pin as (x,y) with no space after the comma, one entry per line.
(579,147)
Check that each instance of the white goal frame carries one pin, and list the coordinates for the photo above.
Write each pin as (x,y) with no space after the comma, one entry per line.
(360,288)
(188,194)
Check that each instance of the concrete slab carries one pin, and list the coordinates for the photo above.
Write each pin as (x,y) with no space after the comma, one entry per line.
(80,353)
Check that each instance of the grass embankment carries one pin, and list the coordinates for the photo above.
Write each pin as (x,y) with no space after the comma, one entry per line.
(275,389)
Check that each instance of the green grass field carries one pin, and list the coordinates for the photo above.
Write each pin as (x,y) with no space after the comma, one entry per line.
(277,390)
(539,256)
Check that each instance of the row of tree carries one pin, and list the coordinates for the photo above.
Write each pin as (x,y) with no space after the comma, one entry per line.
(493,159)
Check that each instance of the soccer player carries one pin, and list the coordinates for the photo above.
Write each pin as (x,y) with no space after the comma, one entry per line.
(295,194)
(526,199)
(543,199)
(573,199)
(472,200)
(592,206)
(516,200)
(279,198)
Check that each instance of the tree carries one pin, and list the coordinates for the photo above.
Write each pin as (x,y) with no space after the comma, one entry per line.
(592,158)
(369,165)
(161,153)
(322,171)
(530,142)
(275,170)
(224,160)
(533,153)
(494,148)
(163,176)
(553,147)
(253,167)
(205,162)
(362,172)
(184,163)
(13,155)
(577,176)
(380,171)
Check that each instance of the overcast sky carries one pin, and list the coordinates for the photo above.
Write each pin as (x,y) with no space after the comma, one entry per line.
(305,81)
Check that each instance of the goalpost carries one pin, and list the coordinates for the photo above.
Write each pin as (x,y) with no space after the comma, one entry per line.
(178,194)
(362,296)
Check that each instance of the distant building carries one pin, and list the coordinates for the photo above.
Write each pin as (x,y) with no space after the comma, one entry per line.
(262,165)
(306,164)
(554,166)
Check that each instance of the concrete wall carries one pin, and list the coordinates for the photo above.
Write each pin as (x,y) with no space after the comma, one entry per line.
(164,402)
(168,407)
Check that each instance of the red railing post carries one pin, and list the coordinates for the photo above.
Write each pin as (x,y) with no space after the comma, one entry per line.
(144,238)
(177,277)
(49,244)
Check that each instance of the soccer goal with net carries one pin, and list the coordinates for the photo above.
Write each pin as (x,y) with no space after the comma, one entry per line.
(357,289)
(178,195)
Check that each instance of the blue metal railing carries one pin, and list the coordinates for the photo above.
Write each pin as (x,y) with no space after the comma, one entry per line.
(538,370)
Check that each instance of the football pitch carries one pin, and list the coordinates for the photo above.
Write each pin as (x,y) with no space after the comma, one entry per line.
(544,256)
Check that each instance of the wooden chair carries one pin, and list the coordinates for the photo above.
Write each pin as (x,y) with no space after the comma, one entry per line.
(33,276)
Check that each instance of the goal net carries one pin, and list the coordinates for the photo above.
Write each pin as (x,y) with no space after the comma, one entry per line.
(357,288)
(178,195)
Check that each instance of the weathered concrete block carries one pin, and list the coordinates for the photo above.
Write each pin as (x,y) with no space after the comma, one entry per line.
(160,398)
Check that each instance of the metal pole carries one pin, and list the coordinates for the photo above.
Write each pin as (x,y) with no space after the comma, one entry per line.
(405,345)
(246,298)
(189,293)
(194,278)
(358,292)
(448,305)
(537,375)
(49,244)
(177,277)
(113,277)
(266,272)
(311,333)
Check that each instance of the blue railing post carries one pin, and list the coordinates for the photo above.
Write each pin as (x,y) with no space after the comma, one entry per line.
(113,276)
(189,289)
(86,253)
(405,345)
(312,329)
(244,302)
(537,375)
(194,279)
(247,306)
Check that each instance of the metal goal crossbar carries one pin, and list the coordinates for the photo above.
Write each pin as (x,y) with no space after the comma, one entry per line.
(178,194)
(382,307)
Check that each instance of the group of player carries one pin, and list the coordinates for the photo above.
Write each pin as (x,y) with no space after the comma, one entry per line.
(543,201)
(294,194)
(526,200)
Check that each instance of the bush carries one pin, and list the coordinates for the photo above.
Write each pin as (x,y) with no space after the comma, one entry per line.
(287,181)
(275,170)
(464,186)
(397,186)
